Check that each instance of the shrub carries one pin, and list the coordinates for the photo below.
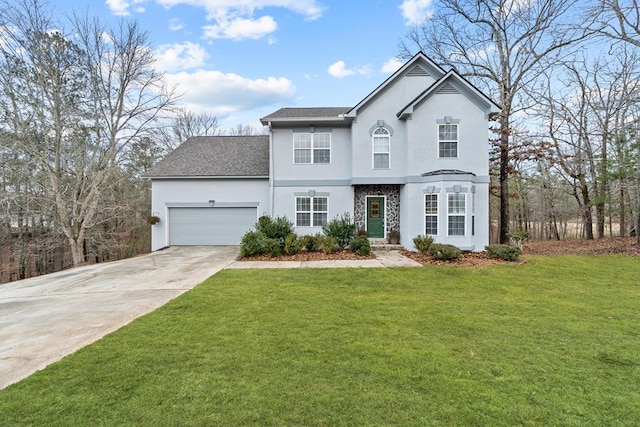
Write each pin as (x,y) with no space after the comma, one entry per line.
(342,228)
(312,243)
(444,252)
(517,238)
(292,244)
(504,252)
(423,243)
(273,247)
(329,245)
(362,232)
(252,243)
(278,228)
(361,246)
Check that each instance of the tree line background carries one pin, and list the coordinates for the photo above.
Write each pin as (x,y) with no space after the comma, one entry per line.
(84,113)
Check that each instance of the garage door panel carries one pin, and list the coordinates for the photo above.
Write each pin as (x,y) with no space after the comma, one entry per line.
(209,226)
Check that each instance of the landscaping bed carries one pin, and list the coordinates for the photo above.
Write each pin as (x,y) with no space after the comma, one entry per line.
(615,245)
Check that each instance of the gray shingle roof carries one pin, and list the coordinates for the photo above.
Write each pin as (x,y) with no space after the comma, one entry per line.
(297,113)
(199,156)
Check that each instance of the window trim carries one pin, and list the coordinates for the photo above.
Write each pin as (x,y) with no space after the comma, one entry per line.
(436,215)
(462,215)
(311,210)
(312,149)
(457,141)
(373,148)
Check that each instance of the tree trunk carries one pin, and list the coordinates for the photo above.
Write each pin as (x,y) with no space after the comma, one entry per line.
(586,210)
(623,214)
(504,179)
(77,251)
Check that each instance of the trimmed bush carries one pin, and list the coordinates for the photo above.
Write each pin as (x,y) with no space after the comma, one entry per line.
(361,245)
(278,228)
(503,252)
(252,243)
(444,252)
(518,238)
(342,228)
(312,243)
(329,245)
(273,247)
(292,244)
(423,243)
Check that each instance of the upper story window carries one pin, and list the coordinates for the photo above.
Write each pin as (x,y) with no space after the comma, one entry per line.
(381,148)
(447,140)
(311,148)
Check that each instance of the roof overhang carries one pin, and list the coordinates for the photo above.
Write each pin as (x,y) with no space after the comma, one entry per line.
(218,177)
(338,121)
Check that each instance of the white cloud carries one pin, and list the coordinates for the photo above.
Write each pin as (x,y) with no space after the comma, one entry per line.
(227,93)
(391,66)
(339,70)
(217,9)
(235,19)
(416,11)
(118,7)
(241,28)
(179,56)
(121,7)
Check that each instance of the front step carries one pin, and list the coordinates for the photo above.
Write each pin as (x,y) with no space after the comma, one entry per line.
(384,246)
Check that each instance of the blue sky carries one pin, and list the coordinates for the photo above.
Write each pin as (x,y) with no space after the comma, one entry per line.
(243,59)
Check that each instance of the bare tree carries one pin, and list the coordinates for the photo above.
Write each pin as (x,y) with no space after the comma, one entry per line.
(502,45)
(241,129)
(185,124)
(75,105)
(619,20)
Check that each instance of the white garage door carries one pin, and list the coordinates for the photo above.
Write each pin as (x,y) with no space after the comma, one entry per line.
(209,226)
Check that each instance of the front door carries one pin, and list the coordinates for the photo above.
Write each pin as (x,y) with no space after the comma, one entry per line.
(375,217)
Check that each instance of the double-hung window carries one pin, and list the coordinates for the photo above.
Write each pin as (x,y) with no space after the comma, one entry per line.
(311,148)
(381,148)
(431,214)
(311,211)
(456,211)
(448,140)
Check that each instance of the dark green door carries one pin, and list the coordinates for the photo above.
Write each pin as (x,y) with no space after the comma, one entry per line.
(375,217)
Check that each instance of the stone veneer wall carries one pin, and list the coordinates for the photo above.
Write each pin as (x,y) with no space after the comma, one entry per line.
(392,208)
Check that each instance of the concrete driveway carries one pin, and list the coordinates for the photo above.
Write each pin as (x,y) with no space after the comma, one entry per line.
(46,318)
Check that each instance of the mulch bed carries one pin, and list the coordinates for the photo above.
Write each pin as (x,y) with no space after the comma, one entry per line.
(469,259)
(620,245)
(311,256)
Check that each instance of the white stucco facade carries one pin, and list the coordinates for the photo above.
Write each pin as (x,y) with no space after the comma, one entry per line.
(417,147)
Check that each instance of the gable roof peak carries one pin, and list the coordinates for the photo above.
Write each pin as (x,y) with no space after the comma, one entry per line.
(418,65)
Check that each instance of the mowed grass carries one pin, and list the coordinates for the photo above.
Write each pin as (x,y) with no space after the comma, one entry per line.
(554,342)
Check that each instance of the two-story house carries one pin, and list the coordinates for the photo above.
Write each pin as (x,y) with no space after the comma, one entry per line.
(412,156)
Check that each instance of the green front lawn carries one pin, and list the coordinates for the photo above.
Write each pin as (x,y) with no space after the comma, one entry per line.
(554,342)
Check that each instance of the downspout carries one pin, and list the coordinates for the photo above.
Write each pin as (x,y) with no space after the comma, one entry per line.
(271,190)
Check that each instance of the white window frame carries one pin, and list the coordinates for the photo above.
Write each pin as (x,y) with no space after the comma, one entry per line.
(313,211)
(473,214)
(387,136)
(456,212)
(431,214)
(312,146)
(448,141)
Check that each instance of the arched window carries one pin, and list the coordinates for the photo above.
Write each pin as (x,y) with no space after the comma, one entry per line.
(381,148)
